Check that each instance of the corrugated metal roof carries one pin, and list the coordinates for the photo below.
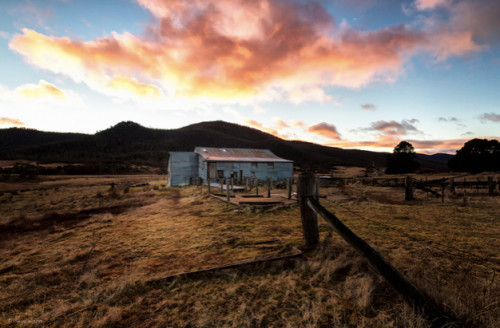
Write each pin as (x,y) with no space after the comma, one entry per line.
(238,155)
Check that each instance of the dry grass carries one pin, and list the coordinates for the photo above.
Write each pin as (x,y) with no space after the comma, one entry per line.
(76,253)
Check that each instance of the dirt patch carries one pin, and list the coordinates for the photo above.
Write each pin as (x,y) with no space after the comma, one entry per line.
(23,223)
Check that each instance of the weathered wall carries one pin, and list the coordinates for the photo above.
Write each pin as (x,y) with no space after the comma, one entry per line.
(262,171)
(181,167)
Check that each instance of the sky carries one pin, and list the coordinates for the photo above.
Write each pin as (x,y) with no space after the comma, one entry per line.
(362,74)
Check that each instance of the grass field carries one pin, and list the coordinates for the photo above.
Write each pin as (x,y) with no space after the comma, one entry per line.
(76,253)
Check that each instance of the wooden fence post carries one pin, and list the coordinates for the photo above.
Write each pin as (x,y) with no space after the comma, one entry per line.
(307,188)
(208,186)
(443,185)
(290,184)
(256,187)
(408,189)
(465,197)
(317,187)
(246,184)
(452,186)
(269,182)
(491,186)
(228,191)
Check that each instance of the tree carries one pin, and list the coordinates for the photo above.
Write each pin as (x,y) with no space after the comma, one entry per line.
(402,159)
(477,155)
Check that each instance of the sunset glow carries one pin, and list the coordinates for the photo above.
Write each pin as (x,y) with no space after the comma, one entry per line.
(335,74)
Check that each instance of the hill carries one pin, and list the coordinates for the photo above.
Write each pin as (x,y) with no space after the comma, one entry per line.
(129,143)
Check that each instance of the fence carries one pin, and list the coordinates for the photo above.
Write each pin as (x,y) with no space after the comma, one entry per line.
(227,186)
(310,208)
(468,185)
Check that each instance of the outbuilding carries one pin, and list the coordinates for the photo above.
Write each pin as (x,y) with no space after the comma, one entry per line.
(214,163)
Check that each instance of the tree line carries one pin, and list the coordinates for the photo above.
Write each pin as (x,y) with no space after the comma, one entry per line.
(477,155)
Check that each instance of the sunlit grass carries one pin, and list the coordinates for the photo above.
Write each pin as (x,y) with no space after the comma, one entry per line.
(75,252)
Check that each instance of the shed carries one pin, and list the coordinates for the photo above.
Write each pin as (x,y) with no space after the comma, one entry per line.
(214,163)
(184,165)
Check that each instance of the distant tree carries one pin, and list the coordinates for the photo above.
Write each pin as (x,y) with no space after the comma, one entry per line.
(402,159)
(477,155)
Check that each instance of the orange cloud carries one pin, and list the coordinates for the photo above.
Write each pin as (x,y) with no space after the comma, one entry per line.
(281,124)
(326,130)
(380,142)
(10,121)
(237,49)
(259,126)
(133,86)
(422,146)
(43,89)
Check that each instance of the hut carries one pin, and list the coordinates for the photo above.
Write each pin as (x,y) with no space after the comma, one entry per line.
(214,163)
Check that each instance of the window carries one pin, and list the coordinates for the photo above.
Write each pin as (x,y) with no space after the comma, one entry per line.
(270,165)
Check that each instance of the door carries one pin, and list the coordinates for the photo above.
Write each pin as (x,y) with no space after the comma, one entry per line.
(212,170)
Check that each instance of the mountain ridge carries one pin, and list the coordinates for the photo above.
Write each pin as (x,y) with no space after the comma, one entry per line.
(132,143)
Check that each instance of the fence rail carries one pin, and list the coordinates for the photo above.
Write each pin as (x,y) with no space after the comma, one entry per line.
(310,208)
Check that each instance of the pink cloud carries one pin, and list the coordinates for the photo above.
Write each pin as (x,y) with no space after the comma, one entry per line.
(394,128)
(326,130)
(234,49)
(431,4)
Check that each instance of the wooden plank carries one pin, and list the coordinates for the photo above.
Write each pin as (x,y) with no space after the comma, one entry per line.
(296,253)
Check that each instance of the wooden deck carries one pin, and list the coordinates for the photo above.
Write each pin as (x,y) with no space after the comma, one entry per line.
(249,199)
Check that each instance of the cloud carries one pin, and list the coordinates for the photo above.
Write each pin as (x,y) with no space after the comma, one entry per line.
(368,106)
(431,4)
(423,146)
(298,124)
(281,124)
(10,121)
(260,126)
(479,17)
(108,65)
(449,119)
(131,85)
(326,130)
(394,128)
(469,27)
(489,117)
(5,35)
(28,13)
(41,90)
(454,120)
(239,49)
(298,130)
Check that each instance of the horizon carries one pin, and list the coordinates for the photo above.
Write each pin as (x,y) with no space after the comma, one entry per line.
(113,126)
(350,74)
